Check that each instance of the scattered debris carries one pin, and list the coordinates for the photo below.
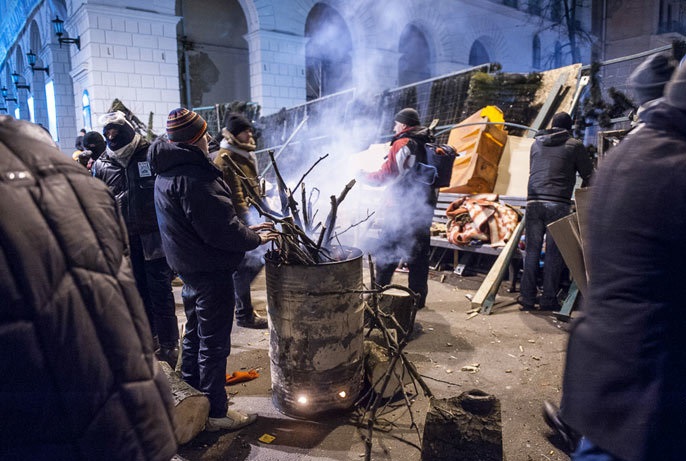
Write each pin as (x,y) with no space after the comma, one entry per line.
(267,438)
(473,368)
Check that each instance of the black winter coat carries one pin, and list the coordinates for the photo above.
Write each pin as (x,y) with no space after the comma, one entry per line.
(79,381)
(555,159)
(625,377)
(200,229)
(133,187)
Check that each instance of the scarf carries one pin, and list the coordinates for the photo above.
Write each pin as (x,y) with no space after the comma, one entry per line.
(123,156)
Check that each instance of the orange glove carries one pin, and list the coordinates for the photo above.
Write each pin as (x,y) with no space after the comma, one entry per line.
(241,376)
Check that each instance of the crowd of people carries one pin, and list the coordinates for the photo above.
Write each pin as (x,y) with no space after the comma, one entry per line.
(89,254)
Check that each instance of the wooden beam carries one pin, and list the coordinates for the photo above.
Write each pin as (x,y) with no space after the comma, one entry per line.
(485,295)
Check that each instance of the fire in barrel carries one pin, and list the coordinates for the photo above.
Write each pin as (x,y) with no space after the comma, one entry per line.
(316,339)
(315,310)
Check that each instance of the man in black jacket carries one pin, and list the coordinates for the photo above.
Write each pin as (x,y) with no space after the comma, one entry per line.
(125,169)
(204,241)
(625,376)
(79,380)
(555,159)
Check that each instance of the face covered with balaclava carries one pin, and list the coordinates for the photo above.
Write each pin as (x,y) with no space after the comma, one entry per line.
(117,130)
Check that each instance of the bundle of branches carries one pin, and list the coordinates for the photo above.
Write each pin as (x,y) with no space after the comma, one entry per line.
(300,241)
(373,415)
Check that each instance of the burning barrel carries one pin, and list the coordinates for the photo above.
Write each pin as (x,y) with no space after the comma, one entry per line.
(315,335)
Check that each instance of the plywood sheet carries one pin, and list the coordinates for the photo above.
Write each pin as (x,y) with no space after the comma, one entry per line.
(513,170)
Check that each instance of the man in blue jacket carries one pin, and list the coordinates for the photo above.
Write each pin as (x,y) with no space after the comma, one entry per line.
(204,241)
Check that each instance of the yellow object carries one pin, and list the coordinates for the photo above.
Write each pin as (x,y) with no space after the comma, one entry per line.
(479,144)
(493,114)
(266,438)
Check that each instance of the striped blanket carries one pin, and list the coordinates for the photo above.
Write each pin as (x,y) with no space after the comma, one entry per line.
(480,218)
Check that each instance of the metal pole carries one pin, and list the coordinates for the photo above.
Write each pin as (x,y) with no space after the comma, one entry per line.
(300,125)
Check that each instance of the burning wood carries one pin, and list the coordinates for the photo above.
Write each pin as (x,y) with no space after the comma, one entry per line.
(296,244)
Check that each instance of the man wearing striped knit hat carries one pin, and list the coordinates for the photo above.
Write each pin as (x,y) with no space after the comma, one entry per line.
(204,241)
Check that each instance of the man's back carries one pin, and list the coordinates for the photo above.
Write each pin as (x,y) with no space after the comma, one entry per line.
(555,159)
(624,383)
(79,380)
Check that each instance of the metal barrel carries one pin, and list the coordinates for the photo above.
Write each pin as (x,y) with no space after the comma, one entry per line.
(315,335)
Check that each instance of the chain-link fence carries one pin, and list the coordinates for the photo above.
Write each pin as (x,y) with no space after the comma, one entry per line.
(216,115)
(605,103)
(449,99)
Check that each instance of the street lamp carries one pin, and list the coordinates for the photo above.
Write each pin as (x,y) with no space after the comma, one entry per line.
(31,56)
(17,85)
(3,91)
(58,25)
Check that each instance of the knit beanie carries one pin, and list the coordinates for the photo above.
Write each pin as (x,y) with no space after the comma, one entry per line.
(117,120)
(562,120)
(237,123)
(675,90)
(408,116)
(649,78)
(185,126)
(94,142)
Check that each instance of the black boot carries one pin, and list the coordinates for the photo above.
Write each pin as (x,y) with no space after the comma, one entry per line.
(169,354)
(255,322)
(551,415)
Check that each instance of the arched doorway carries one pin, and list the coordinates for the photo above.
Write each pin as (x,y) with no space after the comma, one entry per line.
(214,53)
(536,52)
(328,51)
(415,60)
(22,87)
(478,54)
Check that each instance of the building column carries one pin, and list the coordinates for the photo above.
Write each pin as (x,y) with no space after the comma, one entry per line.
(65,116)
(277,69)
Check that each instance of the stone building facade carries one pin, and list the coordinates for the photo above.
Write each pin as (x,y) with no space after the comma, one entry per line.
(159,54)
(628,29)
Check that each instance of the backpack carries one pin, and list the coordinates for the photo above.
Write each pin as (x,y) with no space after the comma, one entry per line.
(438,167)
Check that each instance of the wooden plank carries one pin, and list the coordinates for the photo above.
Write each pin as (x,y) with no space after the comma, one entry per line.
(485,296)
(549,103)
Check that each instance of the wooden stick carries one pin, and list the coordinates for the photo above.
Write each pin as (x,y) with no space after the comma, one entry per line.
(303,195)
(280,184)
(311,168)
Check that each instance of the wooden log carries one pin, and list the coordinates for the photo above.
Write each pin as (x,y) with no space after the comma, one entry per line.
(191,407)
(467,427)
(376,364)
(399,304)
